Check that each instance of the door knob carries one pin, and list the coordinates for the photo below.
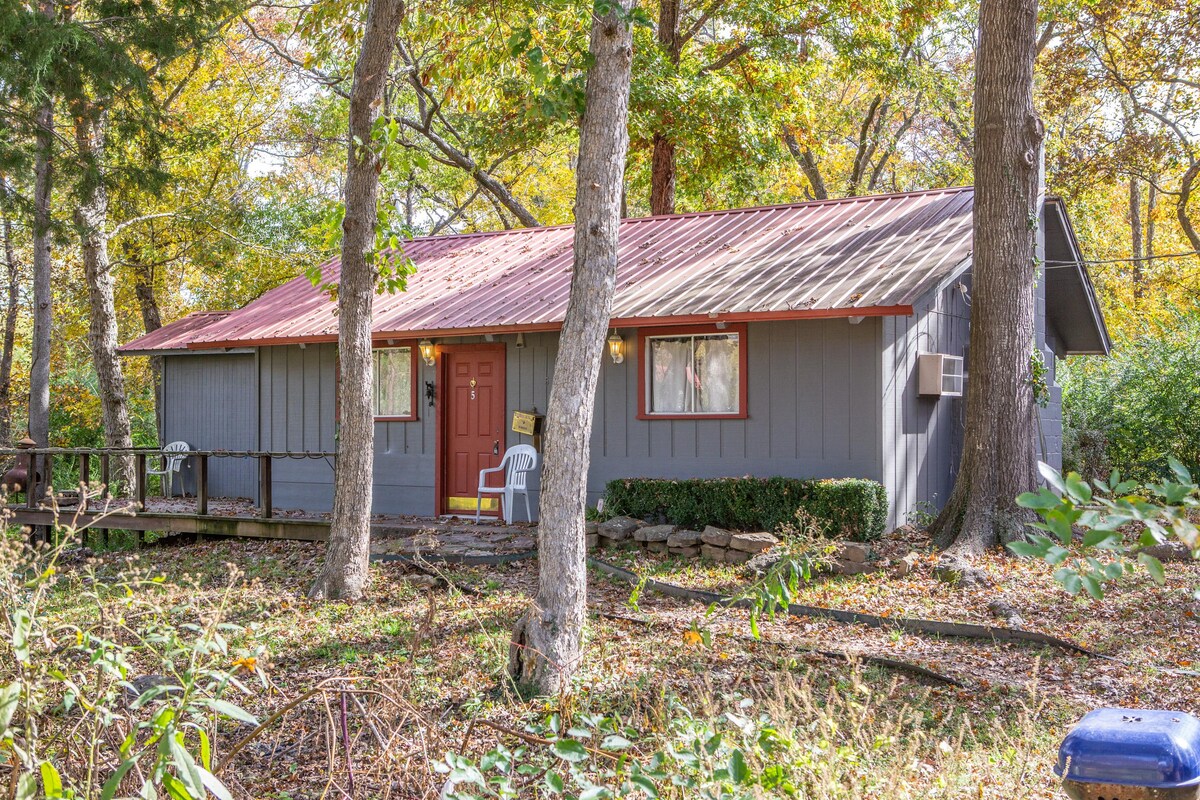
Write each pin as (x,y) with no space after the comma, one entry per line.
(496,447)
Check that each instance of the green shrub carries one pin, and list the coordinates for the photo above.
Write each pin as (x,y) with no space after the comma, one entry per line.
(847,507)
(1135,409)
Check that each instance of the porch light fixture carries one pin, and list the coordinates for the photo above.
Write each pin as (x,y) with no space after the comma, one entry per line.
(426,347)
(616,347)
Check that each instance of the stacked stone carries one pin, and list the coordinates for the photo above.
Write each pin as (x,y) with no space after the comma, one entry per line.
(712,543)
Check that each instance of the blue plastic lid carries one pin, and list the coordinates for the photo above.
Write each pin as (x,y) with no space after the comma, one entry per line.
(1133,747)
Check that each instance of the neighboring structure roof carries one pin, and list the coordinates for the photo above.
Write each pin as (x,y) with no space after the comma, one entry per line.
(863,256)
(1071,306)
(174,336)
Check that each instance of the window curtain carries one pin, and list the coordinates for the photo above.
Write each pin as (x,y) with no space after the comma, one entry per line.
(670,370)
(393,382)
(716,365)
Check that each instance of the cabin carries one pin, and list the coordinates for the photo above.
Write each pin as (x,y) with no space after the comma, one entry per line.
(818,339)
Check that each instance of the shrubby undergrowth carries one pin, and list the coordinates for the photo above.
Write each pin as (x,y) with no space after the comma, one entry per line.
(1137,408)
(126,702)
(789,739)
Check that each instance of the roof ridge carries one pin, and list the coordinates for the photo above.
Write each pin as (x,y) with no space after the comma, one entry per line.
(833,201)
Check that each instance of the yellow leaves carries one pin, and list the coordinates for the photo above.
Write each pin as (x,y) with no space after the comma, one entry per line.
(692,638)
(248,663)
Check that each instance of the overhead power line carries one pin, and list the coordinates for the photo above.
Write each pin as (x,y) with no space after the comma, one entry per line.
(1129,260)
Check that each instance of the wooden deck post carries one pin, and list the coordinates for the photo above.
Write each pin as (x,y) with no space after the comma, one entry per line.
(105,474)
(139,480)
(264,486)
(85,479)
(31,482)
(202,485)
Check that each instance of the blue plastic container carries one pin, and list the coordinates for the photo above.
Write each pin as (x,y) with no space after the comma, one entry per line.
(1128,754)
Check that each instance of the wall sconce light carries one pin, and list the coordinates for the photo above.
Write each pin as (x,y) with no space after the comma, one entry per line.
(426,347)
(520,340)
(616,347)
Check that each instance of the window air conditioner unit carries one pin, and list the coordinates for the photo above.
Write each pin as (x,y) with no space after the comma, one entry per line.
(940,375)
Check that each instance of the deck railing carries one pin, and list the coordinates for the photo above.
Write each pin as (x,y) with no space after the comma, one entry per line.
(41,469)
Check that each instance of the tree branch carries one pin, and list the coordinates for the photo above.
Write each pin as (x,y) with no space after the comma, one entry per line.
(725,60)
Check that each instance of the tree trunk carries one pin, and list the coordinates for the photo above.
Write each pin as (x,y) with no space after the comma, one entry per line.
(1151,208)
(39,366)
(1186,187)
(1135,232)
(547,645)
(344,575)
(808,164)
(662,161)
(662,176)
(12,304)
(999,460)
(91,220)
(143,289)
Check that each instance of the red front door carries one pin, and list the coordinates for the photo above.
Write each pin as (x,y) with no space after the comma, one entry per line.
(472,413)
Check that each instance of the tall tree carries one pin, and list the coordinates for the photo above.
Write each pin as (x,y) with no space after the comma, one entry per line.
(43,298)
(12,304)
(662,159)
(547,644)
(999,459)
(91,223)
(344,574)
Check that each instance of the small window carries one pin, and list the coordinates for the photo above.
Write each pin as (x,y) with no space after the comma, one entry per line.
(695,374)
(392,395)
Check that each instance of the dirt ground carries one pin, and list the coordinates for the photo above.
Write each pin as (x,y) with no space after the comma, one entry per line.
(443,652)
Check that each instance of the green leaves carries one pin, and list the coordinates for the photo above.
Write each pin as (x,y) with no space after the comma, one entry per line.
(1101,511)
(22,624)
(570,750)
(10,698)
(227,709)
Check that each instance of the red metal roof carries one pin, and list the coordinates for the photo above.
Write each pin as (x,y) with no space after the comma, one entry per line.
(176,335)
(854,257)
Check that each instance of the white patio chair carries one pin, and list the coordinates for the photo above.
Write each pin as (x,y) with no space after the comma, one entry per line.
(171,465)
(519,460)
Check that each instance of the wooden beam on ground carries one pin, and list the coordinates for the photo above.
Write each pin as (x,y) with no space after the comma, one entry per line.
(252,527)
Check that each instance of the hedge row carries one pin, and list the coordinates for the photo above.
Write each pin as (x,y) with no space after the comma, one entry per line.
(846,508)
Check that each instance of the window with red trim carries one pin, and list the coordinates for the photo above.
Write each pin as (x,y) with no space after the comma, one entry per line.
(394,395)
(697,372)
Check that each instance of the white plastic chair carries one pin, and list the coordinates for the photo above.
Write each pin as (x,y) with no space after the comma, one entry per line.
(519,460)
(171,465)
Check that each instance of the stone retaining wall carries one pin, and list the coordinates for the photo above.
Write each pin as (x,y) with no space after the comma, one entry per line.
(712,543)
(731,547)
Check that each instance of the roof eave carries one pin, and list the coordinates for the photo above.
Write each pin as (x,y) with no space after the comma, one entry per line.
(1085,280)
(902,310)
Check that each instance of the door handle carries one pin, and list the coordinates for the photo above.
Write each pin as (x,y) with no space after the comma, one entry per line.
(496,447)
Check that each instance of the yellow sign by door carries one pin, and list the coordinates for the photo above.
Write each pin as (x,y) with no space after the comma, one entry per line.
(524,422)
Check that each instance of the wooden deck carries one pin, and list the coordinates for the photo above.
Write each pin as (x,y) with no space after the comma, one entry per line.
(203,515)
(240,517)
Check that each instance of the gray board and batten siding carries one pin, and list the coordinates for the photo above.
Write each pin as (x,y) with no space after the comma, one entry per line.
(922,436)
(813,397)
(210,401)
